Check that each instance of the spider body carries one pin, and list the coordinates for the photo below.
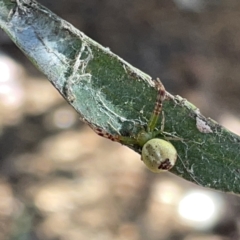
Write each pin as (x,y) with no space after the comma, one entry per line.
(157,154)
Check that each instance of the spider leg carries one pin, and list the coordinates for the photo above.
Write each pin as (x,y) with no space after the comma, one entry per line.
(163,121)
(114,138)
(105,134)
(158,105)
(101,132)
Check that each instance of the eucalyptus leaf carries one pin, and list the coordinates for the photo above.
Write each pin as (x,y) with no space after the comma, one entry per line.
(114,97)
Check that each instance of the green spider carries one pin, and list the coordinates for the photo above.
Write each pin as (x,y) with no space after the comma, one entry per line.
(157,154)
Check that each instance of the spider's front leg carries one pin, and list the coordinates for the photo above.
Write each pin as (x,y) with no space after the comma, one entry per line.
(158,105)
(114,138)
(101,132)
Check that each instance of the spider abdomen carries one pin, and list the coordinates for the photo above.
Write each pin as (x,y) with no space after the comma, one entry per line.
(159,155)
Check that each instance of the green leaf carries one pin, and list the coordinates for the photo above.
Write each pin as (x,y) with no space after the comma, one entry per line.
(113,96)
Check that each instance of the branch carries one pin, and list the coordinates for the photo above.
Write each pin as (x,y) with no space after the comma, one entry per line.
(116,98)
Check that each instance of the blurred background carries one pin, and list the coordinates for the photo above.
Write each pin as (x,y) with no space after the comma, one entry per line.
(60,181)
